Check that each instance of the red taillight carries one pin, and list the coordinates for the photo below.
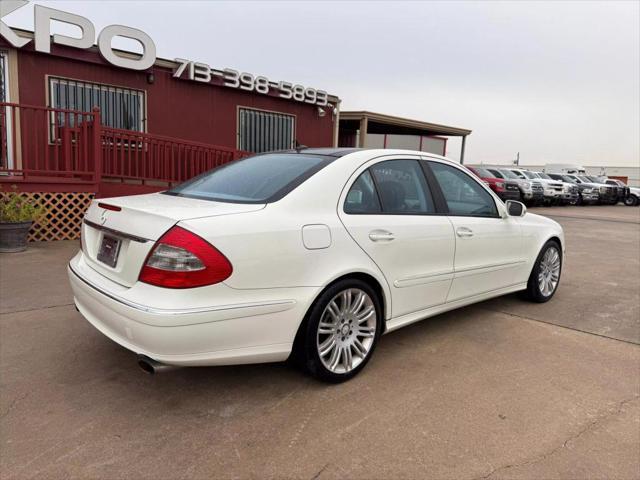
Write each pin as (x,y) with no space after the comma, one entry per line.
(182,259)
(106,206)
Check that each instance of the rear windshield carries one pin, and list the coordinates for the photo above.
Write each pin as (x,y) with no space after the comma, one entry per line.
(483,172)
(509,174)
(258,179)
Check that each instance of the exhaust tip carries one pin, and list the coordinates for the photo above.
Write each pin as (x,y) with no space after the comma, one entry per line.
(146,366)
(151,366)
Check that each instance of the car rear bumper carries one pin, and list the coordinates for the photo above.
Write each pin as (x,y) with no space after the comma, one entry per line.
(223,334)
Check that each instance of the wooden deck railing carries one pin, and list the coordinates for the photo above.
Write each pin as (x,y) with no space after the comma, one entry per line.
(69,146)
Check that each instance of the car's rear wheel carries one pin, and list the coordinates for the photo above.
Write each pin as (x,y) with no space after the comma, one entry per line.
(545,276)
(342,331)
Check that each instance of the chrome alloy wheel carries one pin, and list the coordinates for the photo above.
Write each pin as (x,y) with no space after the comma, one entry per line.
(346,330)
(549,272)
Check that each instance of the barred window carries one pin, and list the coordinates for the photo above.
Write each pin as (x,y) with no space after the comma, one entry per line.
(260,131)
(121,108)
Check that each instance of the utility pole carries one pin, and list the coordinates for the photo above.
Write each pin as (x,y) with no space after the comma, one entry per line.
(517,160)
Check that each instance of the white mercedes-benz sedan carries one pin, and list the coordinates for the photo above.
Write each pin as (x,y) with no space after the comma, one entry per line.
(311,254)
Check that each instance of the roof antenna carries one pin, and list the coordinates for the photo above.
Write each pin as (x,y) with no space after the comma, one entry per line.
(299,146)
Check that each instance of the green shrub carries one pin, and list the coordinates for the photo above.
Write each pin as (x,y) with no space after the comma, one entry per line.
(16,208)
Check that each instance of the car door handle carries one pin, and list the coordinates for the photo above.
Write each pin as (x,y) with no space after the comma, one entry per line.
(381,236)
(464,232)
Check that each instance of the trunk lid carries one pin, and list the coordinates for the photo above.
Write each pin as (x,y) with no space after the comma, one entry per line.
(133,226)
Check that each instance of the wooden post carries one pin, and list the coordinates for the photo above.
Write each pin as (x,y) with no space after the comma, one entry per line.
(97,147)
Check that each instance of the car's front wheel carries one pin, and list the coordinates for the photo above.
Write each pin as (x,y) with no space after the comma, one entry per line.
(631,201)
(343,328)
(545,275)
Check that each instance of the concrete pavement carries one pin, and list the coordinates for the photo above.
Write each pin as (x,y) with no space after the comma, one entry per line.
(501,389)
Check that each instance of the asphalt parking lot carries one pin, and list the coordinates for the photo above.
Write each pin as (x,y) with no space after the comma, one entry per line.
(501,389)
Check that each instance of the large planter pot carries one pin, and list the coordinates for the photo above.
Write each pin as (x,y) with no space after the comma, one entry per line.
(13,236)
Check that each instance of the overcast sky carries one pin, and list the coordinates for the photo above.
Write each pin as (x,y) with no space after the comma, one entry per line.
(558,82)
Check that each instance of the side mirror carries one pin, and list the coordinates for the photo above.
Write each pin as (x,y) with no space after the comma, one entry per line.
(516,209)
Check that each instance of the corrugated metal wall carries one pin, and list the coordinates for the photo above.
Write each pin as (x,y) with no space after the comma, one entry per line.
(176,108)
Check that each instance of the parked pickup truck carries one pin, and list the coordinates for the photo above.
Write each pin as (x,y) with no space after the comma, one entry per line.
(570,193)
(623,190)
(589,193)
(531,192)
(634,197)
(551,189)
(608,193)
(630,196)
(505,189)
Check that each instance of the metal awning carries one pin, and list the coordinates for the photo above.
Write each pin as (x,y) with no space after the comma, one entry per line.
(371,122)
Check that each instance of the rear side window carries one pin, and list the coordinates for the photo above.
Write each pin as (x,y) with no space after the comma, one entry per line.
(402,187)
(464,195)
(362,197)
(390,187)
(258,179)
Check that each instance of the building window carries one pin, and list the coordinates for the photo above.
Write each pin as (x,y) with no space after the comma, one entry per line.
(260,131)
(4,77)
(121,108)
(6,158)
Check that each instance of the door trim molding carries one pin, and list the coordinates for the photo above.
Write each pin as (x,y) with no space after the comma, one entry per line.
(477,270)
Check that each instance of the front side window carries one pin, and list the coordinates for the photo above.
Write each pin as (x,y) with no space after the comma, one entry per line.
(260,131)
(258,179)
(464,195)
(402,187)
(121,108)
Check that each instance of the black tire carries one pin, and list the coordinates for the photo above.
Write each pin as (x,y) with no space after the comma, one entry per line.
(631,201)
(307,349)
(533,291)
